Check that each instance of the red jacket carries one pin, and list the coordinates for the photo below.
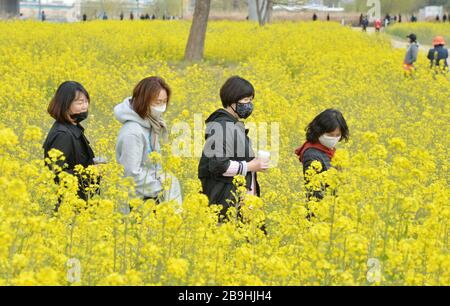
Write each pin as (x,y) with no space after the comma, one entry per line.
(378,24)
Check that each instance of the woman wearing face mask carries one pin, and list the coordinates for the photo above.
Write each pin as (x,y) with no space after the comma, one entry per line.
(69,107)
(228,150)
(141,134)
(322,136)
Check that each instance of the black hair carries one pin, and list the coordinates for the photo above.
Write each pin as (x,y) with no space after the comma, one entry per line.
(327,122)
(66,93)
(235,89)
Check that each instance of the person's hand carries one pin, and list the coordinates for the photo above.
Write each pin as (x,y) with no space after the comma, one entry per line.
(258,165)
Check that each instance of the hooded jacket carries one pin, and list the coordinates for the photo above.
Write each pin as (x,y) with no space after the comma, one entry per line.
(132,150)
(226,140)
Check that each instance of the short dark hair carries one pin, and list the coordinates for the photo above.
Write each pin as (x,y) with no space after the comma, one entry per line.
(145,92)
(327,122)
(66,93)
(235,89)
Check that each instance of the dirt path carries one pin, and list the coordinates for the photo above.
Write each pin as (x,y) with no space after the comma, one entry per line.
(396,42)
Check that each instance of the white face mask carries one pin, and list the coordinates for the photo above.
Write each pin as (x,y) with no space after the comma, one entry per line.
(158,111)
(328,141)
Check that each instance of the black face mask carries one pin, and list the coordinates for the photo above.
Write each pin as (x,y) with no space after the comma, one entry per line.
(244,110)
(79,117)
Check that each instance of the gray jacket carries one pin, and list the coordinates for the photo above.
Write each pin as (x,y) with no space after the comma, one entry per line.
(133,148)
(412,54)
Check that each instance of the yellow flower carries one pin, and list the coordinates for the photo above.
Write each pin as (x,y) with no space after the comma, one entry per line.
(177,268)
(385,198)
(155,157)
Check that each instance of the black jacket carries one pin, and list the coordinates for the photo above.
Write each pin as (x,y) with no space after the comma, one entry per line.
(217,187)
(310,155)
(70,140)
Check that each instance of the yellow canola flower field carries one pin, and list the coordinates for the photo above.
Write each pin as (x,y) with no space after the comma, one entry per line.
(425,31)
(385,223)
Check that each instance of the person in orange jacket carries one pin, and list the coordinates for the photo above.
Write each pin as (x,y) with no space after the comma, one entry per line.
(439,54)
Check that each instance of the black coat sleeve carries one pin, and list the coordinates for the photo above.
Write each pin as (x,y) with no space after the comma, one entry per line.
(62,141)
(219,165)
(220,161)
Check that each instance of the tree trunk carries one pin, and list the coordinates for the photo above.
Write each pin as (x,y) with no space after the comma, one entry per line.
(196,42)
(261,11)
(269,11)
(9,8)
